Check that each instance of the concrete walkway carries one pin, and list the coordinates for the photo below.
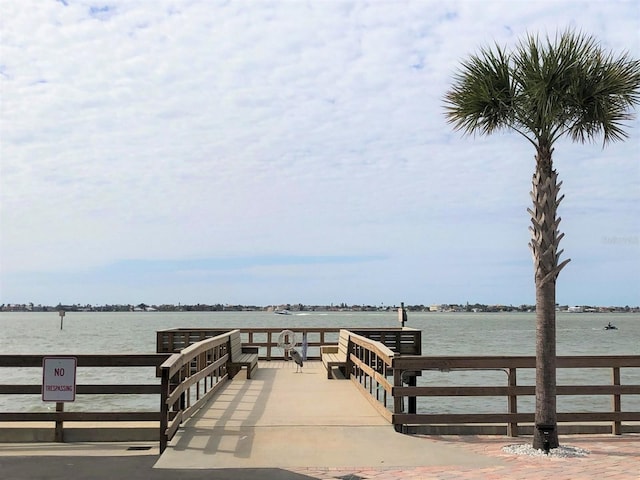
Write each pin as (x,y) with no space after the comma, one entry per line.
(610,457)
(295,433)
(284,419)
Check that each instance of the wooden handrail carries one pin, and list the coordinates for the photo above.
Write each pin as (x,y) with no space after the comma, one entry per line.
(189,379)
(178,360)
(512,391)
(401,340)
(385,376)
(89,360)
(372,366)
(381,350)
(59,416)
(416,362)
(370,362)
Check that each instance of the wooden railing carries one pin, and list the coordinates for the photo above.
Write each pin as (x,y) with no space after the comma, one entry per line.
(198,370)
(387,377)
(407,341)
(373,366)
(60,416)
(403,341)
(189,379)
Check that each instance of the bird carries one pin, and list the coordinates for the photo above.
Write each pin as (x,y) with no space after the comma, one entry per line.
(296,358)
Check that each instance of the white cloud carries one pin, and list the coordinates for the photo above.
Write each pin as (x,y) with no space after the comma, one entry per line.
(206,129)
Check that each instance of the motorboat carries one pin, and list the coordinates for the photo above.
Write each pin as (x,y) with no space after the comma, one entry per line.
(282,312)
(609,326)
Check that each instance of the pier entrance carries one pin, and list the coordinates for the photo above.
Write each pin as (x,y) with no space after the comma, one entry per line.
(284,419)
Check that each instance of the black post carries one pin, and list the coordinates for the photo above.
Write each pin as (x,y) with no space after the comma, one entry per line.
(59,431)
(546,430)
(164,409)
(402,315)
(412,400)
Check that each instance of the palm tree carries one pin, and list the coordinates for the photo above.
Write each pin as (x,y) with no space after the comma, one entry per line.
(544,90)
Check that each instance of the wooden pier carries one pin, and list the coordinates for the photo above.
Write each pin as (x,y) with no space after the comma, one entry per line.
(382,368)
(280,418)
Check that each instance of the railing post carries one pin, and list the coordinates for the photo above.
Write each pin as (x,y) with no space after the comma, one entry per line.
(512,427)
(412,401)
(164,408)
(184,373)
(616,427)
(349,364)
(397,400)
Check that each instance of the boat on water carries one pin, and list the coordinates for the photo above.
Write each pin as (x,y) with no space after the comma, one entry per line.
(282,312)
(609,326)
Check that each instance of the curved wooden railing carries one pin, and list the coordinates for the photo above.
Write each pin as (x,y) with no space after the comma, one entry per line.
(189,379)
(370,362)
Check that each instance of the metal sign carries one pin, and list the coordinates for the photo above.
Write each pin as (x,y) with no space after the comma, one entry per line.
(59,379)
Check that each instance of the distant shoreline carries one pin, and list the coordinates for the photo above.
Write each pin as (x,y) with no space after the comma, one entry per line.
(297,308)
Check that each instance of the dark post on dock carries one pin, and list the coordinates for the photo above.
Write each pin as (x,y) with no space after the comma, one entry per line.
(402,314)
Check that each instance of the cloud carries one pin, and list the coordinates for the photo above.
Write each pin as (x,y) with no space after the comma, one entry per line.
(205,130)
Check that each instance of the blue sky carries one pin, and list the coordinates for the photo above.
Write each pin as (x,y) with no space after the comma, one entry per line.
(268,152)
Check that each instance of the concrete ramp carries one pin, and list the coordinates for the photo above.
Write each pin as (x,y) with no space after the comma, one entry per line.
(284,419)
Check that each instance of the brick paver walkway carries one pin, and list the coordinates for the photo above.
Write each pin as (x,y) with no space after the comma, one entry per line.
(610,458)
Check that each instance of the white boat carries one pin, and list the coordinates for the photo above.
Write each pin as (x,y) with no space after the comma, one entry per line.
(282,312)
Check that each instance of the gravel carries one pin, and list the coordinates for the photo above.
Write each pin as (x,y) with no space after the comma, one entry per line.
(563,451)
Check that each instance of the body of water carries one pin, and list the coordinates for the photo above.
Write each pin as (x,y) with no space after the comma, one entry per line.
(442,333)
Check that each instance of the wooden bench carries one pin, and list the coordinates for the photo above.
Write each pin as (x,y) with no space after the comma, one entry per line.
(336,355)
(241,356)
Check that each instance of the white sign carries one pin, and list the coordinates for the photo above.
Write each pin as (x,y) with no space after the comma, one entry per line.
(59,379)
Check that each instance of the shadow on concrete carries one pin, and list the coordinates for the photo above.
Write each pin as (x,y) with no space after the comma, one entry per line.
(246,396)
(129,468)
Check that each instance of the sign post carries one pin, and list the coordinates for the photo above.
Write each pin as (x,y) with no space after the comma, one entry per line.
(59,385)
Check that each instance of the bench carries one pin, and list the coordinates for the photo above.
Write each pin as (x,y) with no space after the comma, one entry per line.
(336,355)
(241,356)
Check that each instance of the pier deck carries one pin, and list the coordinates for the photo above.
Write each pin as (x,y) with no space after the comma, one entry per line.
(284,419)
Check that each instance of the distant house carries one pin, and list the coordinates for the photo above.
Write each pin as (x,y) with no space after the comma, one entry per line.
(575,309)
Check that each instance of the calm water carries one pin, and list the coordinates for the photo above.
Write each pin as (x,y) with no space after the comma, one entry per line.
(443,334)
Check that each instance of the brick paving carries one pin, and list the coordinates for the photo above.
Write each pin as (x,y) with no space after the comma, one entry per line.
(609,458)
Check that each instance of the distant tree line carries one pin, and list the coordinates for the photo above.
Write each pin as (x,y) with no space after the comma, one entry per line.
(299,307)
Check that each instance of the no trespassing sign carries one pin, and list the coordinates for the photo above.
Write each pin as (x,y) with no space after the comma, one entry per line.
(59,379)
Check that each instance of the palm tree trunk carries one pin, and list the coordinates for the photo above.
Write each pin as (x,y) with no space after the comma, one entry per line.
(545,239)
(545,366)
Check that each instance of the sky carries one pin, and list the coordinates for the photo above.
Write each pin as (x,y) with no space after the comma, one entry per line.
(271,152)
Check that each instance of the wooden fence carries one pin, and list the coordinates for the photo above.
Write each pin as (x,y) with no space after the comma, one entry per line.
(381,365)
(407,341)
(388,379)
(60,416)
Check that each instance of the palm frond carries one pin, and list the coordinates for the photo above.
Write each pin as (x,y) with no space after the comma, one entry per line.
(544,89)
(482,96)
